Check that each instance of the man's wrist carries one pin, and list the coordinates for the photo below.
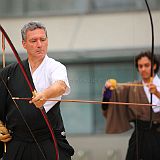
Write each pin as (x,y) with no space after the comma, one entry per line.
(1,123)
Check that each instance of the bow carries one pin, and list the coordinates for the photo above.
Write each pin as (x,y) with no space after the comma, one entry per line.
(152,55)
(33,91)
(3,65)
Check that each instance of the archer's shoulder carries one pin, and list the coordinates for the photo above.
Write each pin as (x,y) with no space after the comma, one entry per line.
(8,69)
(54,63)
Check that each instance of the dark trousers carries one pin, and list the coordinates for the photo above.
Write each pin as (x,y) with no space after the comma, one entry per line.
(23,147)
(144,143)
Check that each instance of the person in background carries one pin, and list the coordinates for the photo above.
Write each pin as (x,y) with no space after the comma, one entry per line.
(25,132)
(144,143)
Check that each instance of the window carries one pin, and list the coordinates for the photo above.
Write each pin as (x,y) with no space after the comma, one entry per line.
(23,8)
(42,8)
(122,5)
(87,81)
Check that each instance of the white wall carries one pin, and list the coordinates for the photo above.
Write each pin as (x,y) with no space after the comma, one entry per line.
(89,32)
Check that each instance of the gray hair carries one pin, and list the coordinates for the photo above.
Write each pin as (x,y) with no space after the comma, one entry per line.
(32,26)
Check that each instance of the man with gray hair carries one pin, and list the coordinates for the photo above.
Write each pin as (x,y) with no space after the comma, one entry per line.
(26,134)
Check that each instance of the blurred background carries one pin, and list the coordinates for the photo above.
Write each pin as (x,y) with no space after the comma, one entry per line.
(96,40)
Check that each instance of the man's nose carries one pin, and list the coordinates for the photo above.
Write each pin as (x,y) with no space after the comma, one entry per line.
(143,68)
(39,43)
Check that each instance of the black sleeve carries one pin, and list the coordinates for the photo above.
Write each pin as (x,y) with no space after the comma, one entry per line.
(3,95)
(105,106)
(106,98)
(1,149)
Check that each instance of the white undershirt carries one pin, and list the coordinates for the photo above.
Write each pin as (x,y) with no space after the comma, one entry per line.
(48,72)
(155,99)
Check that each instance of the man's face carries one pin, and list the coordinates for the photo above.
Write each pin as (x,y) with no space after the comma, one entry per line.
(144,68)
(36,43)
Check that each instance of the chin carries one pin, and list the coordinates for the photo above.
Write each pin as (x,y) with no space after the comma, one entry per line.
(146,78)
(41,55)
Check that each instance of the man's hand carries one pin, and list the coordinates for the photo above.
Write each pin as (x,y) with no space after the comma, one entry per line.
(39,99)
(153,89)
(111,84)
(57,89)
(4,134)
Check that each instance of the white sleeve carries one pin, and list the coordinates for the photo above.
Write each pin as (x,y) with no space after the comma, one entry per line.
(157,107)
(60,73)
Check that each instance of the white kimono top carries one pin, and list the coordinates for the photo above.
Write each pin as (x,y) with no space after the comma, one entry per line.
(48,72)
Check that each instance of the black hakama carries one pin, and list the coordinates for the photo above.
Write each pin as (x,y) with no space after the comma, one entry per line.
(144,134)
(33,142)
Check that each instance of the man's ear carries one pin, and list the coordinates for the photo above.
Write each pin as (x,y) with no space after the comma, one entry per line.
(154,67)
(24,44)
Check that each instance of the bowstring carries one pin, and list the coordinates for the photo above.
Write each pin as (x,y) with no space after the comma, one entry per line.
(135,129)
(24,119)
(3,52)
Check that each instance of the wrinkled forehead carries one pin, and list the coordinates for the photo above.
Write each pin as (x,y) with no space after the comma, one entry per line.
(37,33)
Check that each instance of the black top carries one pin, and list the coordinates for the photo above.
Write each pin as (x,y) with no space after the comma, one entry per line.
(10,114)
